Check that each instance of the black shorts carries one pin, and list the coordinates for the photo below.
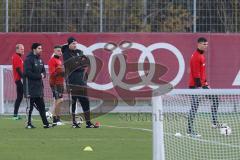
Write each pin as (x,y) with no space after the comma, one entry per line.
(57,91)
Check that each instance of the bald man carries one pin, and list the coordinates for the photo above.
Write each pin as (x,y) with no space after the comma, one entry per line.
(17,66)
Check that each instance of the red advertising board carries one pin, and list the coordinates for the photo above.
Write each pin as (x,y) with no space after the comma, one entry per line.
(171,50)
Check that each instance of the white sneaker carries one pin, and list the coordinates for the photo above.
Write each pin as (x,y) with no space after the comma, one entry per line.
(30,126)
(60,124)
(194,135)
(219,125)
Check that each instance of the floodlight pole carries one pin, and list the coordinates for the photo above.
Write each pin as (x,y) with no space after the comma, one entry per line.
(194,16)
(6,16)
(101,16)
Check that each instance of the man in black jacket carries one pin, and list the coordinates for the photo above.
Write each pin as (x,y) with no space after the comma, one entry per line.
(34,72)
(76,80)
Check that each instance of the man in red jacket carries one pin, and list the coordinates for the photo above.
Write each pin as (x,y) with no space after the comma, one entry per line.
(17,66)
(56,81)
(198,65)
(198,79)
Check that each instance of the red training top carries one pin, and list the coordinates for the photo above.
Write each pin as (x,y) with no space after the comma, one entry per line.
(55,71)
(198,68)
(17,62)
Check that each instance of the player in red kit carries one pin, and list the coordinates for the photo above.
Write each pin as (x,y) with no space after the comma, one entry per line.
(198,68)
(198,79)
(17,66)
(56,81)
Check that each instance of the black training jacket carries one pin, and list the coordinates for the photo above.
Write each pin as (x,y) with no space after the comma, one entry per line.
(74,72)
(33,83)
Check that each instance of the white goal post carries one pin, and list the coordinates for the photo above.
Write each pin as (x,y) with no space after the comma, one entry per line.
(8,96)
(157,119)
(172,118)
(8,92)
(1,90)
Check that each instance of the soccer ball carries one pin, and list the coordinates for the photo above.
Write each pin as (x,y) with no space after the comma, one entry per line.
(79,120)
(49,115)
(226,130)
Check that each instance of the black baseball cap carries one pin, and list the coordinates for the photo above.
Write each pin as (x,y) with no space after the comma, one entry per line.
(71,40)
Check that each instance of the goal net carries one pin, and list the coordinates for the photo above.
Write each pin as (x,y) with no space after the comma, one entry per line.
(8,92)
(8,97)
(199,124)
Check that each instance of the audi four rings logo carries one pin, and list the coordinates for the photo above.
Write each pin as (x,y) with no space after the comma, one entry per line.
(117,52)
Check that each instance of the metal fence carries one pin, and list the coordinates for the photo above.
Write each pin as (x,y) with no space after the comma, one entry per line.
(119,16)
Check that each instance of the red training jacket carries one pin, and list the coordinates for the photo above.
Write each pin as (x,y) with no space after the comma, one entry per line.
(197,69)
(17,62)
(55,68)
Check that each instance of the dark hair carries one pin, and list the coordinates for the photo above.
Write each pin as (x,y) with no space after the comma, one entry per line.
(202,39)
(35,45)
(57,46)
